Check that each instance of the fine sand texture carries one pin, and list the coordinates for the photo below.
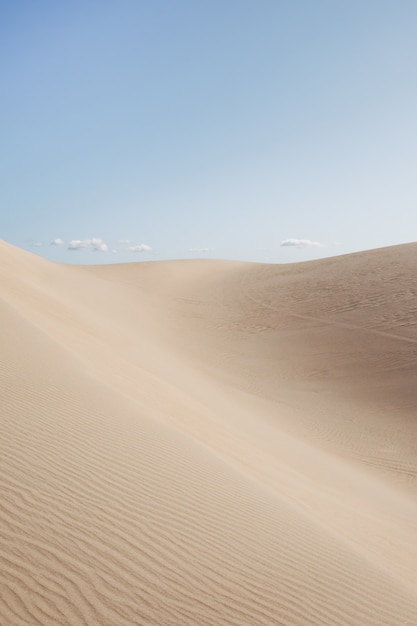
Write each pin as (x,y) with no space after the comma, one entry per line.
(209,442)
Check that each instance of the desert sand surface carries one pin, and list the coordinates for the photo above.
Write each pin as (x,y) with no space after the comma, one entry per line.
(209,442)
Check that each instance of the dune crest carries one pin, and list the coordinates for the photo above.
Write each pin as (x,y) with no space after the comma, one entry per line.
(208,442)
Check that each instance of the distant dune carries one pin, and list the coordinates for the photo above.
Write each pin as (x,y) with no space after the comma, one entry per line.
(209,442)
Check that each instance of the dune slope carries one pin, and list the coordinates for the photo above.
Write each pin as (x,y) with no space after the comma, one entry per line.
(203,442)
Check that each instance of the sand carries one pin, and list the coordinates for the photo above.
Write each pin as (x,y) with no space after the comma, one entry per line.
(209,442)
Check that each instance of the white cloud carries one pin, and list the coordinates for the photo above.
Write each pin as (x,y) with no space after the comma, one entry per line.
(57,242)
(300,243)
(95,244)
(36,244)
(101,247)
(78,244)
(142,247)
(202,249)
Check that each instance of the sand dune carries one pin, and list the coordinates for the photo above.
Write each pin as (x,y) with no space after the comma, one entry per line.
(208,442)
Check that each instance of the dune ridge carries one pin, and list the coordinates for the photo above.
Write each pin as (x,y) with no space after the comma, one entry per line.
(208,442)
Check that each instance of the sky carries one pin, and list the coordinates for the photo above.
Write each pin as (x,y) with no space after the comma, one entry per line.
(258,130)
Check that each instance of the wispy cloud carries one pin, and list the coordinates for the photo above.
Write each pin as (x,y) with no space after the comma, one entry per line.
(96,244)
(202,249)
(78,244)
(36,244)
(142,247)
(300,243)
(101,247)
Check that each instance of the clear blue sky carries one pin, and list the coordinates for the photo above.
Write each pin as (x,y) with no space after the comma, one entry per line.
(207,128)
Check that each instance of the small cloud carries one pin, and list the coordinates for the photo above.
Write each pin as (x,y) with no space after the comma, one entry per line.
(57,242)
(202,249)
(78,244)
(101,247)
(142,247)
(300,243)
(123,241)
(36,244)
(114,251)
(96,244)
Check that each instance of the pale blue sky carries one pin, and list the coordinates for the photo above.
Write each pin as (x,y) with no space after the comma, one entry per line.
(207,127)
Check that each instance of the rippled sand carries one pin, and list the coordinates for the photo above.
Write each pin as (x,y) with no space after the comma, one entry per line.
(209,442)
